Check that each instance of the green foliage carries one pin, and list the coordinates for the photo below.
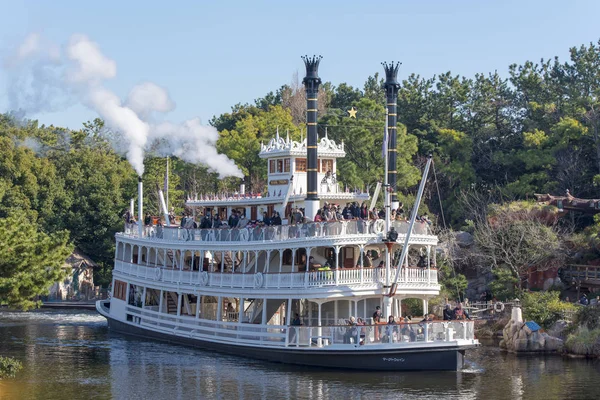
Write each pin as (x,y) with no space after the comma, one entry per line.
(9,367)
(99,184)
(454,283)
(241,142)
(588,317)
(413,308)
(584,342)
(504,285)
(545,308)
(30,261)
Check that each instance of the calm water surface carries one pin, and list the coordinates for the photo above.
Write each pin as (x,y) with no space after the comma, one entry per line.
(72,355)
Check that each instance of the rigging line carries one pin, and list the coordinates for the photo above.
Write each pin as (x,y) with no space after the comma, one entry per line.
(437,186)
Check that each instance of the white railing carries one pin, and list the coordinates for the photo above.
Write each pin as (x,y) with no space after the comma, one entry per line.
(275,233)
(387,336)
(394,335)
(409,277)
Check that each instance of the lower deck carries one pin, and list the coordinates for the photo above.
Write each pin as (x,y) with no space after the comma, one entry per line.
(306,325)
(432,357)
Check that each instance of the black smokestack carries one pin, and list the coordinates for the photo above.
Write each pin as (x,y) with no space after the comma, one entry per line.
(391,90)
(311,83)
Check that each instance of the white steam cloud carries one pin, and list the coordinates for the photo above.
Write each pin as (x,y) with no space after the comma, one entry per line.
(147,97)
(42,74)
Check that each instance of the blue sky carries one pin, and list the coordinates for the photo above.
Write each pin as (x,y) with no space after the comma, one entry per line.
(211,55)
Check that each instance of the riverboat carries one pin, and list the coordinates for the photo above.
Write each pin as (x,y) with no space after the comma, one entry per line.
(298,291)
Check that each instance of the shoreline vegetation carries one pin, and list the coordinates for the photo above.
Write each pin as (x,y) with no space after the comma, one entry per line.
(9,367)
(496,138)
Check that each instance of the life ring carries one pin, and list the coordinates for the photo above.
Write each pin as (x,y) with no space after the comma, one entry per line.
(158,274)
(244,235)
(499,306)
(204,278)
(258,280)
(379,226)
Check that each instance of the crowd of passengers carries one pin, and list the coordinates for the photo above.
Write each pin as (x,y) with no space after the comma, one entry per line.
(399,328)
(237,219)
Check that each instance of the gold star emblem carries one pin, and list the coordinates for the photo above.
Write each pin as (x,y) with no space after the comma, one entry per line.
(352,112)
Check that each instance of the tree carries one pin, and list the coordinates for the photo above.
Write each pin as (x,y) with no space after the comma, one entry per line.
(518,237)
(30,261)
(100,184)
(242,144)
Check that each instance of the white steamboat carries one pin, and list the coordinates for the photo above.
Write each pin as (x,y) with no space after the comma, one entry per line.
(294,292)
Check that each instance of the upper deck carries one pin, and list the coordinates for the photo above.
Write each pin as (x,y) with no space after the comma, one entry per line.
(281,236)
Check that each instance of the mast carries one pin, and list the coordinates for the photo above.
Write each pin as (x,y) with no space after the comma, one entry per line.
(311,84)
(391,86)
(413,217)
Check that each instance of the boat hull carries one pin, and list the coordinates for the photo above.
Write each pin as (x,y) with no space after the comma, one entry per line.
(409,359)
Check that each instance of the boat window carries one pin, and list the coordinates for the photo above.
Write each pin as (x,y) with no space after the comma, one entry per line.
(119,290)
(300,164)
(271,166)
(286,165)
(326,165)
(280,166)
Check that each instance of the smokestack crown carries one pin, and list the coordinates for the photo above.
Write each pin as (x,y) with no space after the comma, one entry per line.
(312,68)
(139,178)
(391,73)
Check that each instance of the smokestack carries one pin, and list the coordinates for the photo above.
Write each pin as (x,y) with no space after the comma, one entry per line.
(391,90)
(311,84)
(242,189)
(140,207)
(132,208)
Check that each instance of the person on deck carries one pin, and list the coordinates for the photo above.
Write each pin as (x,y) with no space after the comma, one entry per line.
(391,329)
(376,322)
(448,314)
(460,313)
(276,220)
(351,331)
(293,331)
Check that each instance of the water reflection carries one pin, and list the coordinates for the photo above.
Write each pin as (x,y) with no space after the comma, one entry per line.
(72,355)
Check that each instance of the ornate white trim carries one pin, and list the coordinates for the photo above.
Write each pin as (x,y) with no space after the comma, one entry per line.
(280,147)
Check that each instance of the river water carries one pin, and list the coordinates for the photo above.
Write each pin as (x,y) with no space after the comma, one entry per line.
(72,355)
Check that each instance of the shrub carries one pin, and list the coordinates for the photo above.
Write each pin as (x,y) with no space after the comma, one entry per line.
(588,317)
(584,342)
(545,308)
(9,367)
(504,285)
(453,283)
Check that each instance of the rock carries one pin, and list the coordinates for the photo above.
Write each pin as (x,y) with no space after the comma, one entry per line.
(522,335)
(537,342)
(553,344)
(518,338)
(558,329)
(521,345)
(464,239)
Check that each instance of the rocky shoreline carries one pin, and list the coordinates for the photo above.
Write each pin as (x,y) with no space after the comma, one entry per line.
(526,337)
